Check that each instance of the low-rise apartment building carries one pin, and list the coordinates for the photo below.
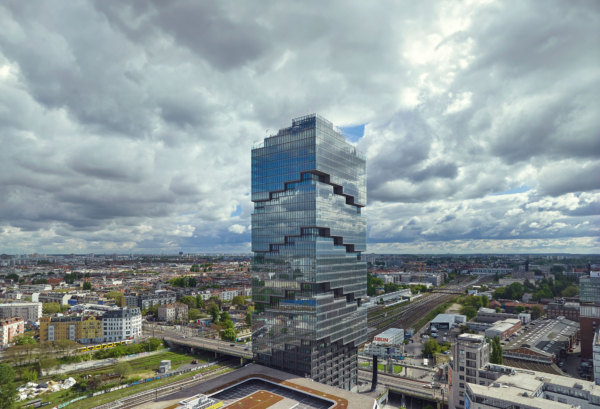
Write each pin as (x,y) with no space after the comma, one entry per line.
(172,312)
(227,295)
(58,298)
(29,311)
(10,328)
(145,301)
(490,271)
(121,324)
(56,328)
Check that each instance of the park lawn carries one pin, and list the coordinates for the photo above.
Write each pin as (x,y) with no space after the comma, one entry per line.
(62,396)
(142,365)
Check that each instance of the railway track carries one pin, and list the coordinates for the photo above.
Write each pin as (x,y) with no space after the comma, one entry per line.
(150,395)
(412,313)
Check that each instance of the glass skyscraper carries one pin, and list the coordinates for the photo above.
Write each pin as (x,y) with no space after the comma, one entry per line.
(308,232)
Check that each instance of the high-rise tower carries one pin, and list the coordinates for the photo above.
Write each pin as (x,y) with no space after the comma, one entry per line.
(308,232)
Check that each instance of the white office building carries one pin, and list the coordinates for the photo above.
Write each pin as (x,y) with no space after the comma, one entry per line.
(121,324)
(526,389)
(392,336)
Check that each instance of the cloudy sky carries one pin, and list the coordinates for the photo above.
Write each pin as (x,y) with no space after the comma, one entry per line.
(126,126)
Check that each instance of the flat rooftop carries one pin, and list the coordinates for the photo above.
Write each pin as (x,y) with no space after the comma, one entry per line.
(548,337)
(240,384)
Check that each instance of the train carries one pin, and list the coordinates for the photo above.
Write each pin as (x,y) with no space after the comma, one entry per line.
(104,346)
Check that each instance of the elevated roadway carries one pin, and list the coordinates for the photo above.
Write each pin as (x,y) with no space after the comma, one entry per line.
(210,345)
(408,387)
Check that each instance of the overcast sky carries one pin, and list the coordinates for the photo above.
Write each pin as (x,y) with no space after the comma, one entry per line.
(126,126)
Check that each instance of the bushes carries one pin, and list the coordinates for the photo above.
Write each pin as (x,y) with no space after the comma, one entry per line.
(122,350)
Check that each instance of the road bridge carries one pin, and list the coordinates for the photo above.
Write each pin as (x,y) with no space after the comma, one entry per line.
(409,388)
(218,347)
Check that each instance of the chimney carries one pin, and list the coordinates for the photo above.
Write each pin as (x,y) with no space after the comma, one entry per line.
(374,380)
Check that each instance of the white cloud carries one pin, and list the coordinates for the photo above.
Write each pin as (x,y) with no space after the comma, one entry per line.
(120,130)
(237,228)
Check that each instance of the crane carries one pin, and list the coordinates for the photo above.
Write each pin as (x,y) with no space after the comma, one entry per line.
(420,264)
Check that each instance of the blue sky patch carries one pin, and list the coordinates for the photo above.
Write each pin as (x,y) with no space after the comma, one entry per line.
(237,212)
(353,133)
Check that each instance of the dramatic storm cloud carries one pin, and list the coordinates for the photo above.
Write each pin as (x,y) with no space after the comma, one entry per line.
(126,126)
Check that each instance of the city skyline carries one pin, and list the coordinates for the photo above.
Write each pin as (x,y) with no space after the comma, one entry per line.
(126,128)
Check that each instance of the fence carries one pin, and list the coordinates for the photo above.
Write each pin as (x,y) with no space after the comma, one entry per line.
(116,388)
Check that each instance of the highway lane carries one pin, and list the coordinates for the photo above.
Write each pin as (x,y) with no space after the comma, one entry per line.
(200,342)
(406,385)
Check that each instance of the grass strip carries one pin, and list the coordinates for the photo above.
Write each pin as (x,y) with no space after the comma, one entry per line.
(64,396)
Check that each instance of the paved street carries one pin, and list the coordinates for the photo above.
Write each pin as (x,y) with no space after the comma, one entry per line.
(406,385)
(190,336)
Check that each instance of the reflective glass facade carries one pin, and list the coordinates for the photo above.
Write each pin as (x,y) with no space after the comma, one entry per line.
(308,232)
(589,288)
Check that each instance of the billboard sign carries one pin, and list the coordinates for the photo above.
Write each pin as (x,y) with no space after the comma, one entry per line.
(449,380)
(381,339)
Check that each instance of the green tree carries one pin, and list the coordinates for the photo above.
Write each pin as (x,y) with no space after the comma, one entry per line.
(195,268)
(13,277)
(25,339)
(30,375)
(498,309)
(519,308)
(153,309)
(238,300)
(47,364)
(199,301)
(227,324)
(249,318)
(470,312)
(229,335)
(123,369)
(155,344)
(114,295)
(8,392)
(87,286)
(193,314)
(372,284)
(214,312)
(431,347)
(536,312)
(225,316)
(485,301)
(189,301)
(50,308)
(570,291)
(496,351)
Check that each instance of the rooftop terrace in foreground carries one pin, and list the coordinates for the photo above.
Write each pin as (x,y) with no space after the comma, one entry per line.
(283,390)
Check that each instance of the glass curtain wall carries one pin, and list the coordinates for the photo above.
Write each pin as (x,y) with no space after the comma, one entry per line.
(308,232)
